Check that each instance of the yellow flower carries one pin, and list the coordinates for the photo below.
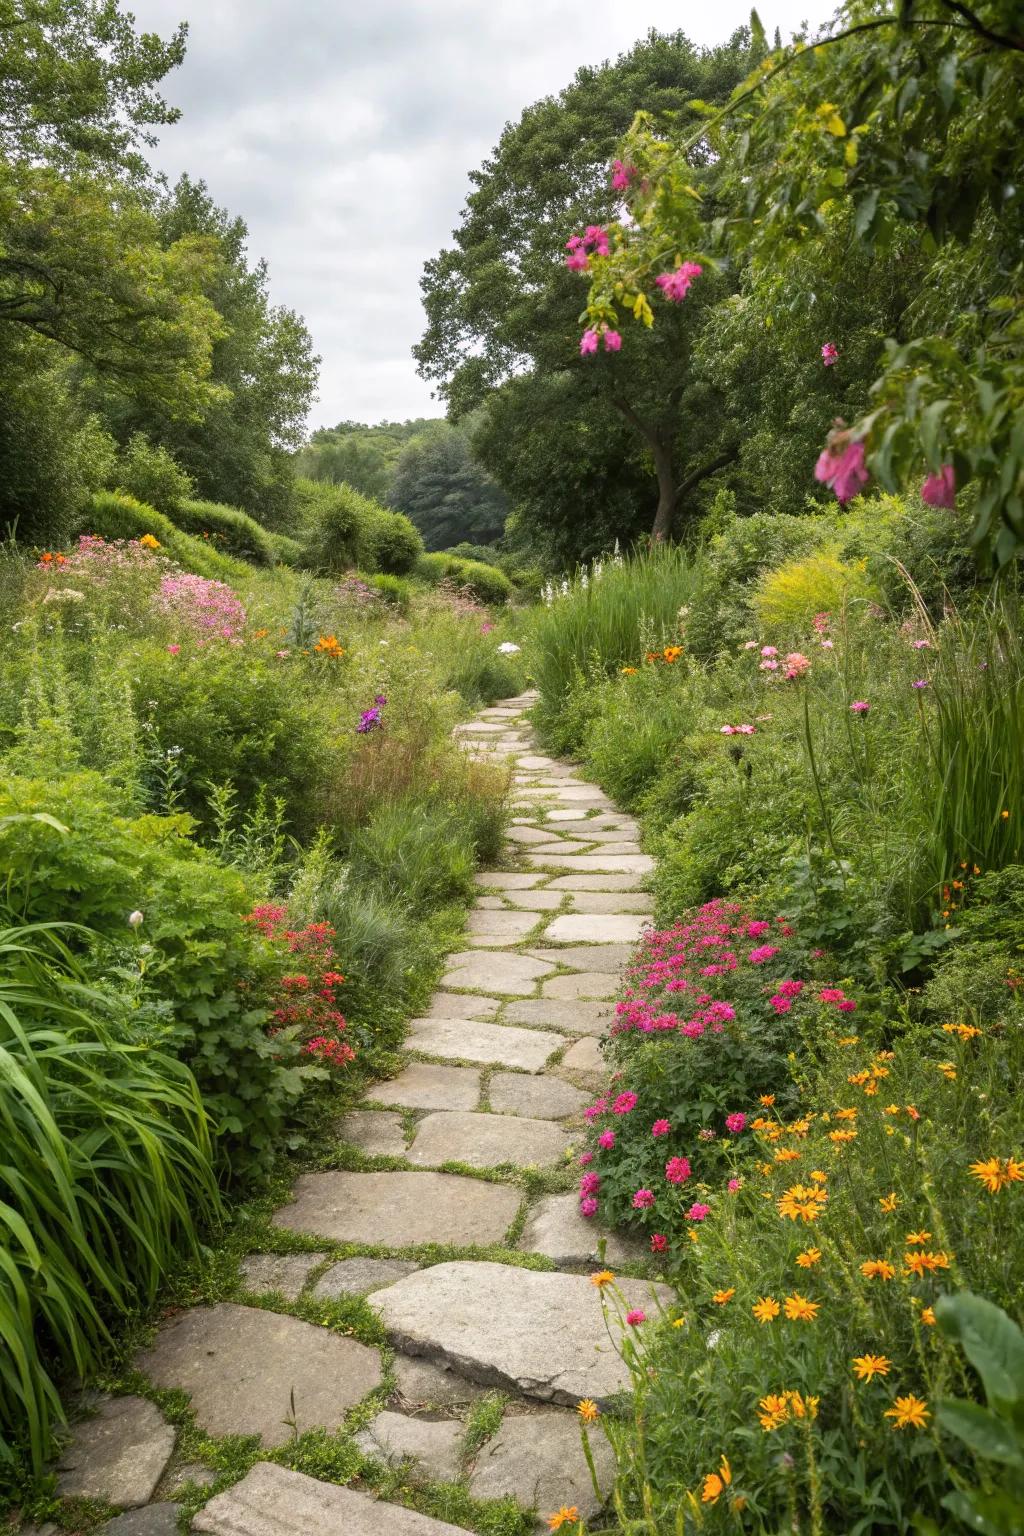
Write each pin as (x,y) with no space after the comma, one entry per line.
(711,1492)
(679,1322)
(995,1173)
(773,1411)
(800,1310)
(877,1269)
(567,1515)
(602,1278)
(908,1410)
(721,1297)
(766,1310)
(628,671)
(802,1202)
(867,1367)
(842,1136)
(148,542)
(588,1410)
(787,1155)
(818,1177)
(928,1317)
(846,1114)
(848,1040)
(920,1238)
(921,1264)
(888,1203)
(891,1109)
(803,1407)
(948,1070)
(808,1258)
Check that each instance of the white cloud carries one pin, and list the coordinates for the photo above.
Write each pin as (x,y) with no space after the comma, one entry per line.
(344,133)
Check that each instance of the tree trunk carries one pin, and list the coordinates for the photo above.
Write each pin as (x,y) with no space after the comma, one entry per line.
(665,515)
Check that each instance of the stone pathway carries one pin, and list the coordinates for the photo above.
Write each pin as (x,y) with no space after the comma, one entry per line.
(496,1075)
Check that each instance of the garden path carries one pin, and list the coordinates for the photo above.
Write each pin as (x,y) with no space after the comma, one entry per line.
(468,1241)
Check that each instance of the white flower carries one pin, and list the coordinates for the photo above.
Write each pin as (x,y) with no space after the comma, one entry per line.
(508,648)
(134,919)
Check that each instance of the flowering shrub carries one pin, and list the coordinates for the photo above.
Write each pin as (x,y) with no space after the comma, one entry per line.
(711,1012)
(206,609)
(307,1003)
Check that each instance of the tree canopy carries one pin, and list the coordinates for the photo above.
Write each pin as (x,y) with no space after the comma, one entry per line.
(440,485)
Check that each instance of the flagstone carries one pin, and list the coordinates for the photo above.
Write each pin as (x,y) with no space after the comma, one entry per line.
(562,846)
(399,1210)
(285,1273)
(610,901)
(538,1458)
(249,1371)
(375,1132)
(118,1455)
(594,985)
(595,928)
(504,927)
(589,957)
(422,1384)
(535,901)
(573,1015)
(597,863)
(275,1501)
(433,1444)
(424,1085)
(487,1141)
(355,1277)
(498,1044)
(507,879)
(152,1520)
(600,882)
(510,975)
(527,835)
(585,1056)
(556,1229)
(544,1097)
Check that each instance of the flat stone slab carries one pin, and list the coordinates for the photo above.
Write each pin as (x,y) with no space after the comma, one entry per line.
(373,1131)
(535,901)
(275,1501)
(608,957)
(479,728)
(592,882)
(544,1097)
(425,1086)
(535,760)
(241,1366)
(577,794)
(502,974)
(118,1456)
(283,1272)
(498,1044)
(609,901)
(356,1277)
(599,985)
(556,1229)
(563,845)
(585,1056)
(526,835)
(506,880)
(487,1141)
(538,1458)
(595,928)
(577,1017)
(596,863)
(434,1444)
(421,1384)
(449,1005)
(153,1520)
(502,927)
(400,1209)
(541,1334)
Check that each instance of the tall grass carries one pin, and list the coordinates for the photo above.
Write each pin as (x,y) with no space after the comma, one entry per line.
(609,620)
(105,1177)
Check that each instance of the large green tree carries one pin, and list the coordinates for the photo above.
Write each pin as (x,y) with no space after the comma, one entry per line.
(440,485)
(502,308)
(359,455)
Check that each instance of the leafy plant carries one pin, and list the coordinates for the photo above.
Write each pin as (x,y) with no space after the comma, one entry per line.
(994,1345)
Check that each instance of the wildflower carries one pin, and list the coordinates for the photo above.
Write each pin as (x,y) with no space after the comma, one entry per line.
(888,1203)
(774,1411)
(914,1113)
(920,1264)
(766,1309)
(135,919)
(736,1122)
(567,1515)
(642,1199)
(720,1298)
(877,1269)
(659,1242)
(698,1212)
(588,1207)
(859,707)
(602,1278)
(762,953)
(585,1159)
(590,1184)
(588,344)
(768,1099)
(588,1410)
(612,341)
(918,1238)
(940,490)
(509,648)
(910,1411)
(802,1202)
(622,175)
(819,1177)
(715,1482)
(329,646)
(636,1317)
(628,671)
(841,466)
(799,1310)
(606,1140)
(928,1316)
(733,1185)
(829,354)
(172,650)
(660,1128)
(995,1173)
(148,542)
(624,1103)
(809,1258)
(867,1367)
(677,1170)
(839,1137)
(797,664)
(676,285)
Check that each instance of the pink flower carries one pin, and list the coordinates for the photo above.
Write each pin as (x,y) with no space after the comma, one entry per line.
(791,988)
(762,953)
(755,929)
(677,1170)
(746,730)
(750,645)
(606,1140)
(596,238)
(612,341)
(828,645)
(841,465)
(831,995)
(588,342)
(586,1158)
(820,622)
(859,707)
(173,650)
(736,1122)
(781,1004)
(940,490)
(588,1207)
(590,1184)
(728,730)
(676,285)
(846,1005)
(920,645)
(635,1318)
(622,175)
(660,1128)
(769,666)
(577,261)
(829,354)
(658,1242)
(642,1199)
(922,682)
(769,650)
(593,1110)
(697,1212)
(624,1103)
(797,664)
(733,1185)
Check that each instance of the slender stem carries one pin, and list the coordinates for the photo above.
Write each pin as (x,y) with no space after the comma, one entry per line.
(809,744)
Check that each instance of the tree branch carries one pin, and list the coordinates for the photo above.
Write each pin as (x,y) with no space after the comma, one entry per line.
(727,456)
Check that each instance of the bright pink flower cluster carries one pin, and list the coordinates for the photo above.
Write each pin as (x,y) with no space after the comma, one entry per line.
(594,238)
(590,338)
(797,664)
(838,998)
(940,490)
(675,285)
(99,559)
(737,730)
(622,175)
(208,609)
(829,354)
(786,994)
(841,466)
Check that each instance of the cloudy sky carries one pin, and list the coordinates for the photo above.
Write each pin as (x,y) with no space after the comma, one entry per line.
(343,132)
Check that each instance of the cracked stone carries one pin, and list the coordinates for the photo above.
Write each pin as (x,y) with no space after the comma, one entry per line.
(499,1044)
(543,1097)
(283,1272)
(538,1458)
(153,1520)
(400,1209)
(275,1501)
(425,1086)
(118,1456)
(241,1367)
(556,1229)
(432,1443)
(421,1384)
(375,1132)
(356,1277)
(487,1141)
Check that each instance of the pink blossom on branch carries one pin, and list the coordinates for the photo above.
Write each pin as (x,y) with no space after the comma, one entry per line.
(676,285)
(612,341)
(622,175)
(588,342)
(940,490)
(841,464)
(829,354)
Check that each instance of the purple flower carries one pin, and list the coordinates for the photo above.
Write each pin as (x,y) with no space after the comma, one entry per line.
(922,682)
(859,707)
(940,490)
(381,698)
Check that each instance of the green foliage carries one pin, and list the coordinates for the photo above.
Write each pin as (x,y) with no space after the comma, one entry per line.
(107,1177)
(287,551)
(227,529)
(994,1345)
(343,530)
(395,591)
(149,474)
(390,544)
(787,598)
(439,484)
(485,582)
(361,456)
(113,515)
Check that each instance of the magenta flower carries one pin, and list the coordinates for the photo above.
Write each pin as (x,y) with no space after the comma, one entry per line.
(606,1140)
(781,1004)
(173,650)
(577,260)
(769,666)
(920,645)
(635,1318)
(676,285)
(586,1158)
(659,1242)
(829,354)
(612,341)
(769,650)
(733,1185)
(677,1170)
(588,1207)
(727,730)
(697,1211)
(596,239)
(922,682)
(736,1122)
(624,1103)
(762,953)
(660,1128)
(831,995)
(846,1005)
(622,175)
(642,1199)
(593,1110)
(590,1184)
(859,707)
(844,470)
(588,342)
(746,730)
(940,490)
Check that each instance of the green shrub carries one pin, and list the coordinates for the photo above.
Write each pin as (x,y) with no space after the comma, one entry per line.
(113,515)
(107,1177)
(788,596)
(287,551)
(227,529)
(484,582)
(146,472)
(391,543)
(485,554)
(334,521)
(395,592)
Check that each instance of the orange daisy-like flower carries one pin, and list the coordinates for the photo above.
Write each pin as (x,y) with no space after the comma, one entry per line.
(888,1202)
(721,1297)
(867,1367)
(767,1099)
(948,1070)
(787,1155)
(588,1410)
(799,1310)
(922,1264)
(842,1136)
(995,1173)
(773,1411)
(803,1407)
(809,1258)
(846,1114)
(602,1278)
(567,1515)
(877,1269)
(963,1031)
(766,1310)
(818,1177)
(858,1079)
(908,1412)
(712,1489)
(928,1316)
(913,1111)
(917,1238)
(765,1169)
(848,1040)
(802,1202)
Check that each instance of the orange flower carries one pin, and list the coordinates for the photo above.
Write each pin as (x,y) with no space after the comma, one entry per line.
(588,1410)
(964,1031)
(774,1411)
(846,1114)
(877,1269)
(787,1155)
(914,1113)
(766,1310)
(928,1317)
(867,1367)
(842,1136)
(921,1264)
(148,542)
(721,1297)
(888,1202)
(712,1489)
(995,1173)
(910,1411)
(602,1278)
(948,1070)
(567,1515)
(809,1258)
(818,1177)
(767,1099)
(920,1238)
(802,1202)
(799,1310)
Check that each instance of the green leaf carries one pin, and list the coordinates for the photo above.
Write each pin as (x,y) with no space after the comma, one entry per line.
(947,79)
(865,214)
(990,1514)
(984,1431)
(991,1341)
